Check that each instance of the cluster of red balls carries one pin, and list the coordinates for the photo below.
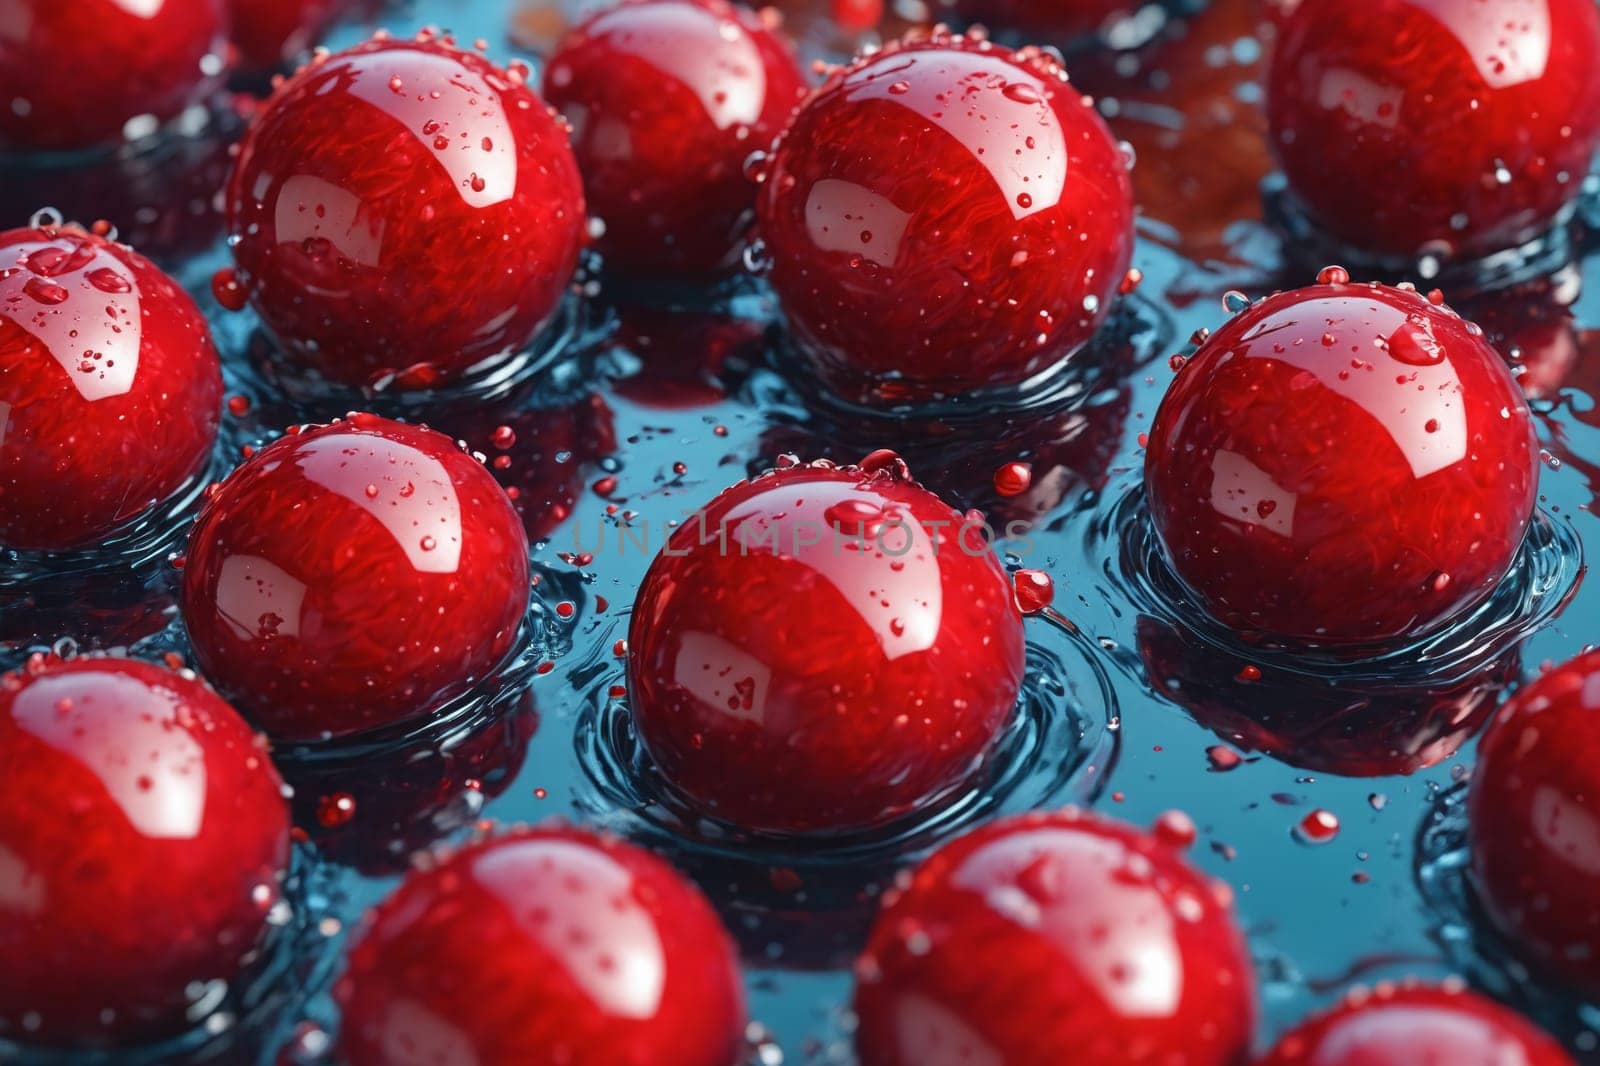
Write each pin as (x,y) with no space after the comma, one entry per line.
(823,650)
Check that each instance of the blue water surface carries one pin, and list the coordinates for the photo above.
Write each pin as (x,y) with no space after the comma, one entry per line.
(1096,728)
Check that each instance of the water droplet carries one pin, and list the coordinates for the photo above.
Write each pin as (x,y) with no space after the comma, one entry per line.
(1318,827)
(1033,590)
(1414,343)
(1223,758)
(856,517)
(335,810)
(45,292)
(1022,93)
(1174,828)
(109,281)
(1013,479)
(757,260)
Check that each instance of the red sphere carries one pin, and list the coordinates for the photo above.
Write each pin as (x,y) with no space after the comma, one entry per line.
(269,33)
(1532,812)
(942,216)
(1416,1025)
(543,946)
(667,99)
(1342,465)
(73,74)
(1405,124)
(109,387)
(1055,937)
(404,208)
(143,836)
(823,649)
(353,575)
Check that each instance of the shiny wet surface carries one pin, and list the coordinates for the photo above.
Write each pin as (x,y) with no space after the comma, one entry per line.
(692,405)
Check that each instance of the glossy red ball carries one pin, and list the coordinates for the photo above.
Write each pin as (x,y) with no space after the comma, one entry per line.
(110,388)
(1532,809)
(404,209)
(1342,465)
(1052,938)
(143,838)
(269,33)
(1416,1025)
(667,99)
(353,575)
(1413,125)
(77,74)
(943,216)
(823,649)
(544,946)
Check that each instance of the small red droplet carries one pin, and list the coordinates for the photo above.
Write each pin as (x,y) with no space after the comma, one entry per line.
(1174,828)
(1033,590)
(1223,758)
(1318,827)
(784,879)
(336,810)
(227,290)
(1013,479)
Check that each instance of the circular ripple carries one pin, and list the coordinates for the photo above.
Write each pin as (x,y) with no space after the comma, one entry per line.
(249,1019)
(260,368)
(149,538)
(544,636)
(1309,249)
(1058,748)
(1134,333)
(1543,576)
(1459,926)
(115,593)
